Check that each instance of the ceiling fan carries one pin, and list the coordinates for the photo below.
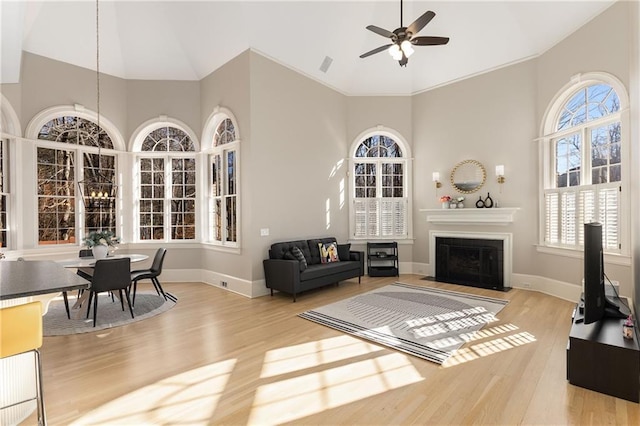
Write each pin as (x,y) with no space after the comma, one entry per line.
(403,40)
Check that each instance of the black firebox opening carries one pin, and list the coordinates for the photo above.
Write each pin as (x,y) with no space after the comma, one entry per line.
(470,261)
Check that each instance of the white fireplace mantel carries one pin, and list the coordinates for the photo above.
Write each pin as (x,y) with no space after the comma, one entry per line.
(472,216)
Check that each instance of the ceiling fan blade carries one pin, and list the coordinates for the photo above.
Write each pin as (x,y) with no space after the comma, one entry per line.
(419,23)
(380,31)
(374,51)
(429,41)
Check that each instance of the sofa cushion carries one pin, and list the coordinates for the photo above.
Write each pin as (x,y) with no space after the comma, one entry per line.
(328,252)
(290,256)
(323,270)
(278,250)
(314,251)
(343,251)
(297,253)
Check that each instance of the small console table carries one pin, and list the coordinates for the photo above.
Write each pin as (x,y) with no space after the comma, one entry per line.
(382,259)
(600,359)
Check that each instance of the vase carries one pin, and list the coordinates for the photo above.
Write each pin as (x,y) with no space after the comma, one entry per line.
(453,205)
(460,205)
(100,251)
(445,205)
(627,331)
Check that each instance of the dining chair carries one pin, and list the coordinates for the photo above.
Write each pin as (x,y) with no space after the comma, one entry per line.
(110,275)
(21,332)
(152,274)
(85,273)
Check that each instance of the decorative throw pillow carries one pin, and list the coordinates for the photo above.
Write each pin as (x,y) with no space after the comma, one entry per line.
(297,253)
(343,251)
(328,252)
(289,256)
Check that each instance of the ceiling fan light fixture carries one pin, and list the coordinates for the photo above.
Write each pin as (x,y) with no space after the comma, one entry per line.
(407,48)
(395,52)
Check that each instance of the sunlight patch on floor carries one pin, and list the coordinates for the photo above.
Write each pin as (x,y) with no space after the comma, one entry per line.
(292,399)
(490,347)
(186,398)
(313,354)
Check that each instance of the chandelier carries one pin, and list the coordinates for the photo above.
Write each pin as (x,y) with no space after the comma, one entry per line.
(98,189)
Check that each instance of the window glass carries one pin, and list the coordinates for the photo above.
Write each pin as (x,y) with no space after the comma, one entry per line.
(224,185)
(4,192)
(167,186)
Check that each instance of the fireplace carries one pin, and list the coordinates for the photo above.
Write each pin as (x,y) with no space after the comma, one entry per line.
(474,262)
(479,259)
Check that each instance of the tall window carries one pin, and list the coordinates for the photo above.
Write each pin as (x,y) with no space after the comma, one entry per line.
(379,187)
(224,185)
(167,197)
(4,193)
(584,172)
(60,167)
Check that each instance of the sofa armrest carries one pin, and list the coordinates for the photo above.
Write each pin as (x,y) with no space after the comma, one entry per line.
(282,274)
(358,256)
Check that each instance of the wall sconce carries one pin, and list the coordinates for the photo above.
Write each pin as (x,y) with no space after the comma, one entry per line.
(500,173)
(436,179)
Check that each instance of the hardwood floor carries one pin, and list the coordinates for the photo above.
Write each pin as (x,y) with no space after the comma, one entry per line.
(220,358)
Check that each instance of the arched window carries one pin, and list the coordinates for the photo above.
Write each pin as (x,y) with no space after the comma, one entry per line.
(380,187)
(166,182)
(69,151)
(584,135)
(224,159)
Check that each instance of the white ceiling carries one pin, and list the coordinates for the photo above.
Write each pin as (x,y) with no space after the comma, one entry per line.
(181,40)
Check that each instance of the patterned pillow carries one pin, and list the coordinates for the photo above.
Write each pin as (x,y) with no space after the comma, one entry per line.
(328,252)
(297,253)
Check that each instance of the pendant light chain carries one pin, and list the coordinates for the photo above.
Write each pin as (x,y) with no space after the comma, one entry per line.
(98,83)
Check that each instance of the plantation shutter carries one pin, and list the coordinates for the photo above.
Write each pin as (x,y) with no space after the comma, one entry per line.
(608,204)
(568,228)
(586,212)
(551,218)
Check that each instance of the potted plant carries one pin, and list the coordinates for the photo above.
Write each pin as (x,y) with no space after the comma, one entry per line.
(100,241)
(445,200)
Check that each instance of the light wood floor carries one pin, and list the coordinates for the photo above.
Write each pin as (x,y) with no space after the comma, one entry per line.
(220,358)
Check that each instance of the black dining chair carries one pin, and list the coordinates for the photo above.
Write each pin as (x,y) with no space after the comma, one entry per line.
(110,275)
(152,274)
(85,273)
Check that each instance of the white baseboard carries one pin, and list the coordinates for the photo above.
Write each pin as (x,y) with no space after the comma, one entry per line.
(560,289)
(230,283)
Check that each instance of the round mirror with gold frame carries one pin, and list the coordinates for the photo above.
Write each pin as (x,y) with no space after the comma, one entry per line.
(468,176)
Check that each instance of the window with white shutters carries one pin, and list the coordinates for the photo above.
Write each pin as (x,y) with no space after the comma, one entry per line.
(584,182)
(379,187)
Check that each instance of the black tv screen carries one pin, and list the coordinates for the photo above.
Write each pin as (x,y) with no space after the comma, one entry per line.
(596,304)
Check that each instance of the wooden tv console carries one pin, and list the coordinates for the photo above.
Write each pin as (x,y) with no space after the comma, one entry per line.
(600,359)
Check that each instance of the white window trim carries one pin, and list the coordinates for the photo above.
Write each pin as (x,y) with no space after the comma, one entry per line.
(546,158)
(43,117)
(218,115)
(77,110)
(407,159)
(135,143)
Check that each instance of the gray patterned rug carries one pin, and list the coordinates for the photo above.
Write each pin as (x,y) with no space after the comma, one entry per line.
(426,322)
(110,314)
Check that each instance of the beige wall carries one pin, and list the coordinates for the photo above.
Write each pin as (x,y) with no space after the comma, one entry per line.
(297,160)
(489,118)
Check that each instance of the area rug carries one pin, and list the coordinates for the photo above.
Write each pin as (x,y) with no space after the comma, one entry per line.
(426,322)
(110,314)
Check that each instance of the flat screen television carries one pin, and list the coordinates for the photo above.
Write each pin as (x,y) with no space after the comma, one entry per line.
(596,304)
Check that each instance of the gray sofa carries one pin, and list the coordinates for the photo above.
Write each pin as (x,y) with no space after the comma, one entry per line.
(289,276)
